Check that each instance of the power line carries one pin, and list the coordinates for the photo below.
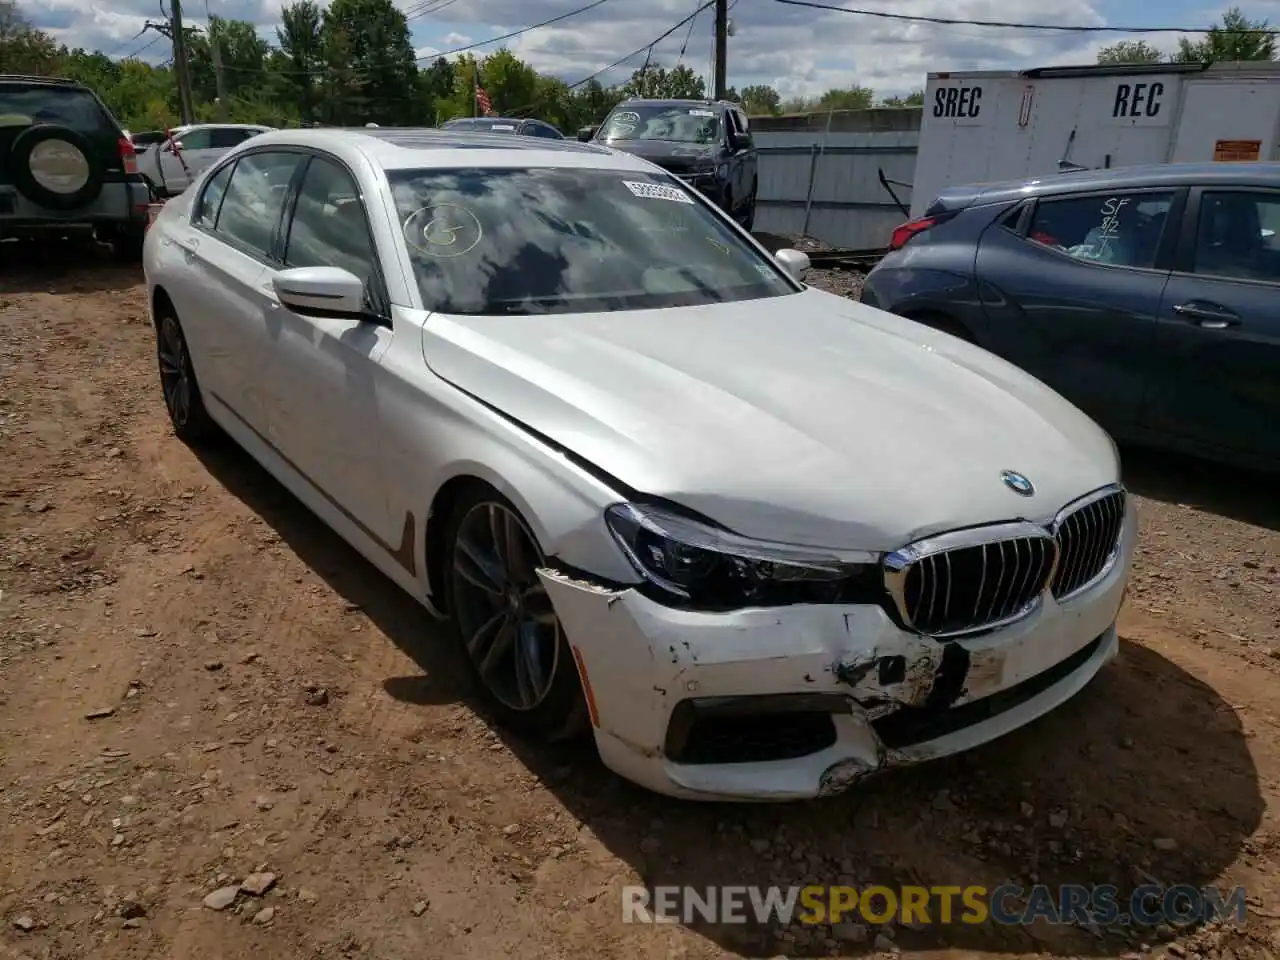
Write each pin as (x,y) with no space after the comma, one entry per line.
(449,53)
(1011,25)
(146,46)
(427,7)
(617,63)
(514,33)
(112,55)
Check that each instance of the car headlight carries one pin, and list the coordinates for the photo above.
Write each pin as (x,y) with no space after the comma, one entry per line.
(698,565)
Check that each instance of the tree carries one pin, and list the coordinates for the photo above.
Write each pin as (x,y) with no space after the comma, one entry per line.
(853,98)
(1235,38)
(24,49)
(369,62)
(243,55)
(655,81)
(302,51)
(760,100)
(1130,51)
(913,99)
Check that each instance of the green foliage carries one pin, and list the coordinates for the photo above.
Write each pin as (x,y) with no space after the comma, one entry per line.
(1130,51)
(1235,38)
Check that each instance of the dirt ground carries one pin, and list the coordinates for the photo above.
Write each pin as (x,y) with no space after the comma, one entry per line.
(199,683)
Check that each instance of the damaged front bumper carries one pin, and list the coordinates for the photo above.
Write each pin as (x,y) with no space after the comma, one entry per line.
(802,701)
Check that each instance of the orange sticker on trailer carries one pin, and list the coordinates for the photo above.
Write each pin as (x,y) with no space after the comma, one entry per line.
(1237,151)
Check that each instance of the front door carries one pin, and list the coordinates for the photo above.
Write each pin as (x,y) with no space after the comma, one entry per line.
(1220,326)
(325,370)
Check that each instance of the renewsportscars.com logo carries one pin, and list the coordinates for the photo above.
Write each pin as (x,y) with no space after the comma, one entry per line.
(1077,904)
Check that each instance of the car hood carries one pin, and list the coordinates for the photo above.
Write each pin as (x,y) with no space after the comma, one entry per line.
(806,419)
(670,155)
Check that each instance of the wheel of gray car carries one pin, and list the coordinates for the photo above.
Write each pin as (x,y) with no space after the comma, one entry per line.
(182,397)
(55,167)
(505,624)
(749,218)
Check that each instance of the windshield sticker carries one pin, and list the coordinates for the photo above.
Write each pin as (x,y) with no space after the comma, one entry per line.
(657,191)
(702,113)
(627,116)
(442,230)
(502,126)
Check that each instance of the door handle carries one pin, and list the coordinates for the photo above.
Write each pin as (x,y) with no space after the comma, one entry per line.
(1207,315)
(189,248)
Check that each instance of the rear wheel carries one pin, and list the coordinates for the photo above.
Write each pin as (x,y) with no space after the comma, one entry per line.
(944,324)
(749,217)
(182,399)
(505,624)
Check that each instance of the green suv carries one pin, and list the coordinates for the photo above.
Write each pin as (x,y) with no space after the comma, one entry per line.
(66,166)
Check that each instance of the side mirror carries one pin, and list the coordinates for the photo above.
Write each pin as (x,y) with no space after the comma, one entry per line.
(321,291)
(586,133)
(173,146)
(795,262)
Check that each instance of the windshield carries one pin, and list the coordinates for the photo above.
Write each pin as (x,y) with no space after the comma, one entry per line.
(692,124)
(485,125)
(535,241)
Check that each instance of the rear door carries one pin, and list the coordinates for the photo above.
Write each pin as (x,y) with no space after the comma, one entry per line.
(1072,289)
(1219,326)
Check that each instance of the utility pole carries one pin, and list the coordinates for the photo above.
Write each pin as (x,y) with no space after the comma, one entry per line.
(215,47)
(185,105)
(722,56)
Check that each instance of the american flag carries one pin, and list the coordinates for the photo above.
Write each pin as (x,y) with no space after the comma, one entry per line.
(482,101)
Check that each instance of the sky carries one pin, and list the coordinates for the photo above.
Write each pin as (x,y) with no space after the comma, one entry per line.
(798,51)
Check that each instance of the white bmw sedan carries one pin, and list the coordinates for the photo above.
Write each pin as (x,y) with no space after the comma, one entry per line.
(759,540)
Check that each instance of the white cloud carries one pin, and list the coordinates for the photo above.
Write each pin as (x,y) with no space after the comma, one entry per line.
(800,51)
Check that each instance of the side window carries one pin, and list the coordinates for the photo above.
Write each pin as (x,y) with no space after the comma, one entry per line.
(1238,236)
(196,140)
(329,228)
(536,129)
(206,209)
(254,198)
(1120,229)
(227,137)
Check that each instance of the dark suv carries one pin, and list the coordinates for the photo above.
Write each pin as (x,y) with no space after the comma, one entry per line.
(517,125)
(705,143)
(66,165)
(1148,296)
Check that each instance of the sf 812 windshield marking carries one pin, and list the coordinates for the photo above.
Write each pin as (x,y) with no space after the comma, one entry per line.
(508,242)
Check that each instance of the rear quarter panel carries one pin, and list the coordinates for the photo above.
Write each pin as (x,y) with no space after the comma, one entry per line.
(934,272)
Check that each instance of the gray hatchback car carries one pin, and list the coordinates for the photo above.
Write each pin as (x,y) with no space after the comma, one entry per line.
(1148,296)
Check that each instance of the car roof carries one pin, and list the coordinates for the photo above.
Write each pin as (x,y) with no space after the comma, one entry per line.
(676,102)
(1127,178)
(405,148)
(488,120)
(41,81)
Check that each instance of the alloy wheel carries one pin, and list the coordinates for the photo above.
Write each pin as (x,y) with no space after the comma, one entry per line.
(503,613)
(175,379)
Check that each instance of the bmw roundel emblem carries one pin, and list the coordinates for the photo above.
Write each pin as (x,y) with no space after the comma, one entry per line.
(1017,483)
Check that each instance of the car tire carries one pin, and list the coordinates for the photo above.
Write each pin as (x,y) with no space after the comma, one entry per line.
(24,177)
(182,398)
(749,218)
(126,246)
(529,680)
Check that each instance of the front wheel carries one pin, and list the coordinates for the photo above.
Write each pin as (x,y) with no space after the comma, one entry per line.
(505,624)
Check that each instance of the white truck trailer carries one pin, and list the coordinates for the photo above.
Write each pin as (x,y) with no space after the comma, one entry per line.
(1001,125)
